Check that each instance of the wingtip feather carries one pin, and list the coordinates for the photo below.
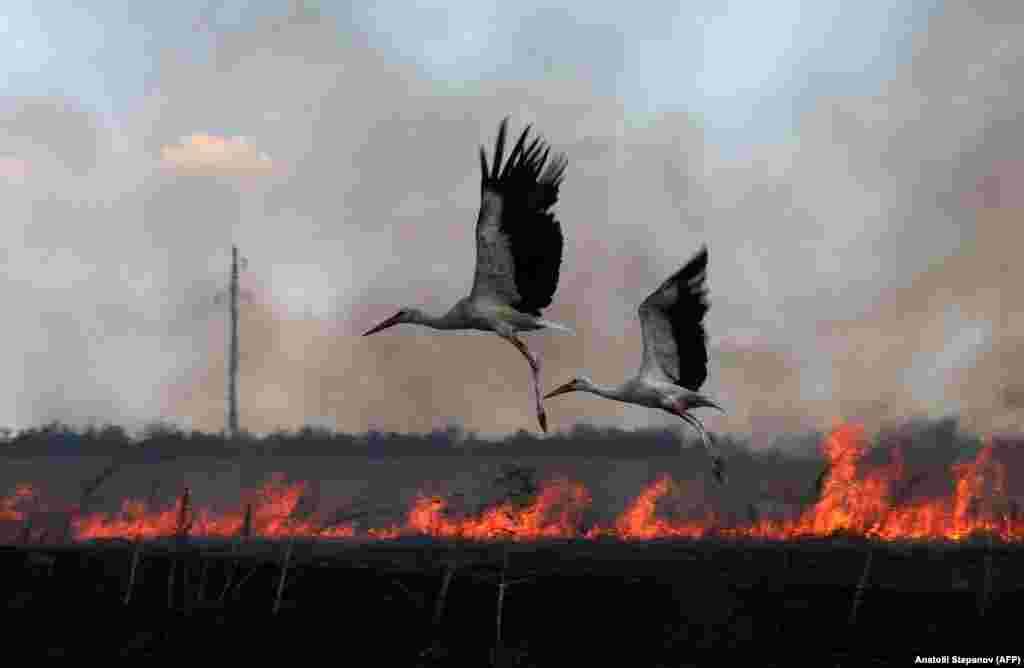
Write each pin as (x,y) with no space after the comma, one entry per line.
(556,170)
(499,149)
(517,152)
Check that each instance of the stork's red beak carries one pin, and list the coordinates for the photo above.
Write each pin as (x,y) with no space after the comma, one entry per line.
(704,402)
(390,322)
(568,387)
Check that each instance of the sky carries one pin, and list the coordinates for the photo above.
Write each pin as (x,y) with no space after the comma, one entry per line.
(827,152)
(672,56)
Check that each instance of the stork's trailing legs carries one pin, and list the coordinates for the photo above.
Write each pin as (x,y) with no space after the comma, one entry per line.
(717,463)
(542,416)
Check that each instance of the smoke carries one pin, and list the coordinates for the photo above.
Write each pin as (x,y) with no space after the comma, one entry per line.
(351,183)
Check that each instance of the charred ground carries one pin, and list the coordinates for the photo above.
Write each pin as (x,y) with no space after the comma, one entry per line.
(658,603)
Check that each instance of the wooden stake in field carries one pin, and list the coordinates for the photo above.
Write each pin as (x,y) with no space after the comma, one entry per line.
(184,516)
(243,536)
(304,509)
(184,524)
(451,563)
(137,551)
(246,532)
(498,649)
(861,586)
(449,572)
(284,574)
(985,594)
(136,555)
(89,488)
(503,584)
(172,565)
(203,568)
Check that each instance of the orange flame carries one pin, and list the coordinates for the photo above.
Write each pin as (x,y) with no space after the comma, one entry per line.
(848,504)
(10,506)
(557,512)
(639,520)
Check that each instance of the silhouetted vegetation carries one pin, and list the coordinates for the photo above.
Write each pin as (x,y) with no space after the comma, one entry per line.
(58,439)
(937,443)
(55,439)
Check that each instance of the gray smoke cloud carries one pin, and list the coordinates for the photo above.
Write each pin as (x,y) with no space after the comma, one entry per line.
(350,181)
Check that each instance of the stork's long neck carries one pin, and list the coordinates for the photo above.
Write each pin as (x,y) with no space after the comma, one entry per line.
(616,392)
(446,321)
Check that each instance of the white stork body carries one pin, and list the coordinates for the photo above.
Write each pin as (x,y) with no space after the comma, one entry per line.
(518,253)
(675,354)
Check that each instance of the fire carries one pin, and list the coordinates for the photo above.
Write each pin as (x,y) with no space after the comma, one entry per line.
(981,499)
(639,521)
(849,504)
(854,498)
(10,507)
(555,513)
(863,504)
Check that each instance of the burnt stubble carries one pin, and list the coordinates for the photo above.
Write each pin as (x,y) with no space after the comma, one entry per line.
(652,603)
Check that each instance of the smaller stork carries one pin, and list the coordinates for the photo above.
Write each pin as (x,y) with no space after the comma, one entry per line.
(675,359)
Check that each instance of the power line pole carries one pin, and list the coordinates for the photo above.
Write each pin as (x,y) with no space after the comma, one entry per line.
(233,352)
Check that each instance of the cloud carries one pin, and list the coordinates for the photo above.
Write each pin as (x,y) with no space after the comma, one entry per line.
(205,153)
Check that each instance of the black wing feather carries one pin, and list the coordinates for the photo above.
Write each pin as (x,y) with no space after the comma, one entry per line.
(499,149)
(681,302)
(528,190)
(516,152)
(687,318)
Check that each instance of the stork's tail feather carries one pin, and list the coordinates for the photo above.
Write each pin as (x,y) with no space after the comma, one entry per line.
(550,324)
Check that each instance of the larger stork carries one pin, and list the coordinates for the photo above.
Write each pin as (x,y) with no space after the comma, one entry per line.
(518,252)
(675,359)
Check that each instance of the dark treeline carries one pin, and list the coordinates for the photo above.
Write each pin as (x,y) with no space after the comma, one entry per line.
(933,442)
(56,439)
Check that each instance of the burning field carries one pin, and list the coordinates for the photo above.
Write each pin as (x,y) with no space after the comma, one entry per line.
(852,496)
(916,553)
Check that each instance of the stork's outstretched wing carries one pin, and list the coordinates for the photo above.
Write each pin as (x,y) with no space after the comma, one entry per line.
(518,241)
(672,319)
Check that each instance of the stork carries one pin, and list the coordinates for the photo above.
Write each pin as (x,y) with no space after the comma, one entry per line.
(675,355)
(518,252)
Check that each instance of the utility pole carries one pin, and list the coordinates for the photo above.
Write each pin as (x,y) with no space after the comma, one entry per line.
(233,350)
